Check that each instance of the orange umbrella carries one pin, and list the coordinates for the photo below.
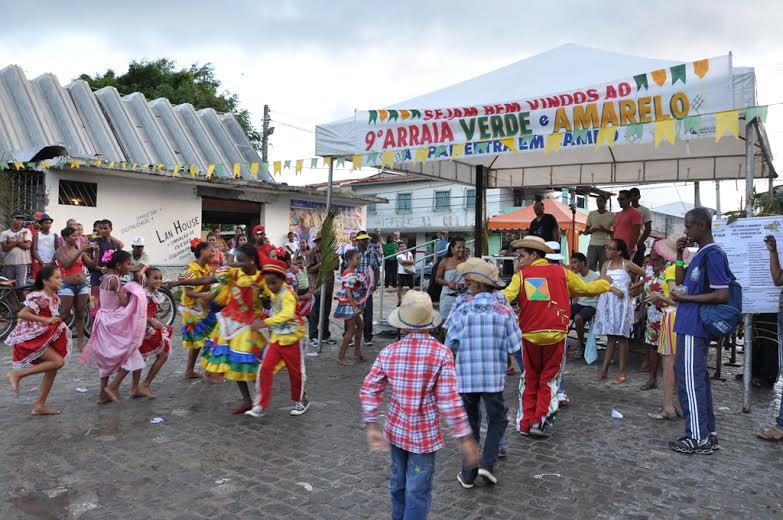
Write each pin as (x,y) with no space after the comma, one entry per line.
(520,219)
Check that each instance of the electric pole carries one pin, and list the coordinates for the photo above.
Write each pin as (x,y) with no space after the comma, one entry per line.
(266,131)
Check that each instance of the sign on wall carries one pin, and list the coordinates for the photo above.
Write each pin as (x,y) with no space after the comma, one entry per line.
(306,218)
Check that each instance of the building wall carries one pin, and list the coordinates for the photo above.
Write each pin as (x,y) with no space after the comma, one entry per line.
(166,213)
(274,217)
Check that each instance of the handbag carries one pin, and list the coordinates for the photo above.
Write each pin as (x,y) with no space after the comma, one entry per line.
(720,320)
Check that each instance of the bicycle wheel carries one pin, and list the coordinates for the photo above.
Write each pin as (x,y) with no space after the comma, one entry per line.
(7,319)
(167,310)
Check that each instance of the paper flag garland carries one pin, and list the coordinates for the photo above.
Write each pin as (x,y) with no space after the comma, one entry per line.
(727,122)
(664,131)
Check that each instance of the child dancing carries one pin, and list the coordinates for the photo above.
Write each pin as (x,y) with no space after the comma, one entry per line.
(350,304)
(157,338)
(198,317)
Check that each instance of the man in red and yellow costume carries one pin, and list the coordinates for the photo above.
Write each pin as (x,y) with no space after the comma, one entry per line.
(543,291)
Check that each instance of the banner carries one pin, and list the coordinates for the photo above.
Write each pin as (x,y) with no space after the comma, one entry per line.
(575,117)
(306,218)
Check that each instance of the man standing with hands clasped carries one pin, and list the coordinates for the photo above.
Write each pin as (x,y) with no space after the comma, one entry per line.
(599,227)
(17,242)
(706,282)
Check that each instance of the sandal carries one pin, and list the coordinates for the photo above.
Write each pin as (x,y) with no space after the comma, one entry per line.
(662,415)
(576,353)
(772,435)
(619,380)
(600,377)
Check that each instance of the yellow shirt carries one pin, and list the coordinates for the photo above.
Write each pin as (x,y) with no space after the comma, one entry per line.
(192,271)
(576,287)
(287,328)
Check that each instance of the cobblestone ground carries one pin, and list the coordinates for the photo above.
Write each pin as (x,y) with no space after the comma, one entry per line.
(202,462)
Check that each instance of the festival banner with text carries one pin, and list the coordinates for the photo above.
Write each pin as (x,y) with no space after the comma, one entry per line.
(668,104)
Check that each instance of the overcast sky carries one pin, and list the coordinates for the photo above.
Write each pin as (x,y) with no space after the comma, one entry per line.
(315,62)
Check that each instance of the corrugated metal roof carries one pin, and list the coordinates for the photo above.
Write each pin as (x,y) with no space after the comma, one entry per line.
(41,119)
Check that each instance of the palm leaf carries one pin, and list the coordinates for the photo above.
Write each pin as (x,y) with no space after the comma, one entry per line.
(330,261)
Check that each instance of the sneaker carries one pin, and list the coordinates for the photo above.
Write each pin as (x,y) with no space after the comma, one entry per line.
(688,445)
(713,438)
(541,430)
(331,341)
(563,400)
(464,483)
(502,454)
(314,343)
(487,474)
(256,411)
(368,343)
(300,407)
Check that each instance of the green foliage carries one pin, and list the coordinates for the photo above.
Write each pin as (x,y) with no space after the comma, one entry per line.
(196,85)
(763,205)
(330,260)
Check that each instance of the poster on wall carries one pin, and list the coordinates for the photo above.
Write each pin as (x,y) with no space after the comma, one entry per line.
(306,218)
(743,242)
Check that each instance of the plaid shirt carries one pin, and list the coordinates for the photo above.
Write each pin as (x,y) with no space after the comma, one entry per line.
(483,331)
(423,387)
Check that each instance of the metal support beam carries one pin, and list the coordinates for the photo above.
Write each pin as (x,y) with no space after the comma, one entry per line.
(321,304)
(747,349)
(696,194)
(717,199)
(481,197)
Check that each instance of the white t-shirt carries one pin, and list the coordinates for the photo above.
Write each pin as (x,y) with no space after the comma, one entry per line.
(404,257)
(46,247)
(17,255)
(292,247)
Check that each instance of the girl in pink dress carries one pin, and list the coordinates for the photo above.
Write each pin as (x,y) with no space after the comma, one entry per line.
(157,338)
(119,327)
(41,341)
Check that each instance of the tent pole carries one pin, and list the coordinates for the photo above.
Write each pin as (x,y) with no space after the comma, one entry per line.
(696,194)
(717,198)
(478,226)
(321,303)
(747,349)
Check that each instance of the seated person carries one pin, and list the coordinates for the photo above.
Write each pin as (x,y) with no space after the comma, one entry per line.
(582,308)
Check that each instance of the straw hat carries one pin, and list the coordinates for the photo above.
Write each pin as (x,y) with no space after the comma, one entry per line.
(667,248)
(556,256)
(480,271)
(415,313)
(532,242)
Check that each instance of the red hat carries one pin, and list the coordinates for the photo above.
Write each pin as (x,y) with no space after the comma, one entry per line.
(259,228)
(275,266)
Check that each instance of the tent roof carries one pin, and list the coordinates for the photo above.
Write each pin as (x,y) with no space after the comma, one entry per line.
(561,69)
(521,218)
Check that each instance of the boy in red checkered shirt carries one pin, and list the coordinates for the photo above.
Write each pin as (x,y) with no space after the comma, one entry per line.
(421,373)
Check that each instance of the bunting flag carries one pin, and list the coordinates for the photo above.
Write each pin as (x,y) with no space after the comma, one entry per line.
(277,168)
(237,170)
(327,161)
(387,159)
(605,136)
(299,164)
(457,150)
(123,165)
(210,170)
(97,163)
(405,114)
(441,150)
(633,132)
(727,122)
(134,167)
(219,170)
(665,130)
(254,170)
(553,143)
(372,158)
(287,164)
(356,161)
(20,165)
(752,113)
(265,168)
(422,154)
(193,170)
(175,173)
(482,147)
(511,144)
(580,135)
(339,161)
(74,163)
(701,67)
(659,77)
(373,117)
(314,163)
(383,115)
(678,74)
(641,82)
(691,125)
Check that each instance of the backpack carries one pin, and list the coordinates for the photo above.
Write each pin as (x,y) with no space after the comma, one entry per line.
(721,319)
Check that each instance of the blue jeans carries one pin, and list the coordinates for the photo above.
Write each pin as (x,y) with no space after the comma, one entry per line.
(521,364)
(497,420)
(411,483)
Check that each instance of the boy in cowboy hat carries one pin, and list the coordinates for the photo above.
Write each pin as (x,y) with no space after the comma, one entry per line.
(483,332)
(420,371)
(543,291)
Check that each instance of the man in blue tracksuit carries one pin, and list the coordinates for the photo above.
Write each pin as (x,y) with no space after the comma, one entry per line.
(707,281)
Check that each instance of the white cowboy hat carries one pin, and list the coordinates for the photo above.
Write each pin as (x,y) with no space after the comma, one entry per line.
(415,313)
(556,256)
(532,242)
(480,271)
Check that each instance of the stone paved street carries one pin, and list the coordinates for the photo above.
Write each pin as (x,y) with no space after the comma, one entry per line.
(201,462)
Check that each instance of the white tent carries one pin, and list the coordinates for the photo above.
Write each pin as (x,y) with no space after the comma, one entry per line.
(565,69)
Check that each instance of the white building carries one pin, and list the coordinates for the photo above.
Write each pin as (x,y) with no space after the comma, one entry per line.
(126,150)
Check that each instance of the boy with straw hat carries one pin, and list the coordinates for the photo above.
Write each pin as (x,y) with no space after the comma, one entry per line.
(483,332)
(543,291)
(420,371)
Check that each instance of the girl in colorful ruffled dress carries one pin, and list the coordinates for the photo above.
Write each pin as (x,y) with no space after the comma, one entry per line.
(287,328)
(350,305)
(119,327)
(199,318)
(157,338)
(41,341)
(234,350)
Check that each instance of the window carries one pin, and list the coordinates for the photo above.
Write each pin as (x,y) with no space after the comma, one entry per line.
(442,200)
(372,208)
(75,193)
(404,203)
(519,198)
(470,199)
(28,194)
(581,202)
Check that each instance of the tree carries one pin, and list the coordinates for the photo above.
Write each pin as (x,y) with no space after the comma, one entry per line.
(196,85)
